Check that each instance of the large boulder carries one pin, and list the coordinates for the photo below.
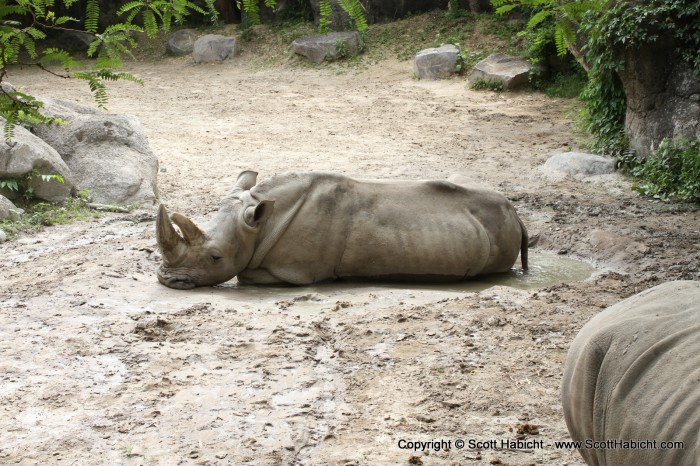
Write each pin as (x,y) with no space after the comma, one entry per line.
(108,154)
(214,48)
(27,153)
(181,42)
(320,47)
(436,63)
(663,95)
(513,72)
(580,164)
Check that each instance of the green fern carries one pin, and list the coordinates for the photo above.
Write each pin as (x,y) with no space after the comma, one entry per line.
(92,15)
(64,19)
(325,22)
(96,82)
(20,108)
(57,55)
(252,9)
(354,9)
(133,8)
(550,21)
(8,131)
(22,28)
(150,24)
(538,17)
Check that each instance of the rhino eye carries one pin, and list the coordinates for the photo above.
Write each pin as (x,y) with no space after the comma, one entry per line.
(215,258)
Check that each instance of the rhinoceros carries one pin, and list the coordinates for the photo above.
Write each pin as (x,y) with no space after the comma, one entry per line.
(309,227)
(633,374)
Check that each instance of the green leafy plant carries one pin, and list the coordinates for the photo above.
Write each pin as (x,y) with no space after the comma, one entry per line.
(629,24)
(341,49)
(23,26)
(566,85)
(487,84)
(23,185)
(353,8)
(551,22)
(42,214)
(325,22)
(673,172)
(454,10)
(468,58)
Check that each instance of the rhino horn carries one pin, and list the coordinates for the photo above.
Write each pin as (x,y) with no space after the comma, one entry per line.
(190,231)
(168,239)
(244,182)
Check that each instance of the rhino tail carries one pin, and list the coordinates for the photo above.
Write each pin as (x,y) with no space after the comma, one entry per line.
(524,243)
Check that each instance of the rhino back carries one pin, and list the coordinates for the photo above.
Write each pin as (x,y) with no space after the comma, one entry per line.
(633,373)
(351,228)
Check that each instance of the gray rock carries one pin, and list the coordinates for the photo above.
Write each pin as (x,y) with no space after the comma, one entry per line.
(436,63)
(28,152)
(16,214)
(181,42)
(662,93)
(513,72)
(6,206)
(3,236)
(108,154)
(7,87)
(66,109)
(580,164)
(214,48)
(76,41)
(320,47)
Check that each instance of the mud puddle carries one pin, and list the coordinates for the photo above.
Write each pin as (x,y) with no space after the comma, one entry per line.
(546,269)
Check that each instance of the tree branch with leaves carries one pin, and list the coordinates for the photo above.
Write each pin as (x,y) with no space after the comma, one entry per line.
(23,29)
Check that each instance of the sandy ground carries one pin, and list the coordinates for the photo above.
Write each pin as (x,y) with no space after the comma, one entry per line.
(100,364)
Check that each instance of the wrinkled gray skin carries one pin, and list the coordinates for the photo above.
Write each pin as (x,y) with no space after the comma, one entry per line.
(309,227)
(633,373)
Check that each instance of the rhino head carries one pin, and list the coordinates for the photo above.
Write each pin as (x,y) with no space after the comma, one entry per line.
(219,251)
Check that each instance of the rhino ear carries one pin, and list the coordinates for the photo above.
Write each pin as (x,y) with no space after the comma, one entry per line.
(255,215)
(168,239)
(244,182)
(190,231)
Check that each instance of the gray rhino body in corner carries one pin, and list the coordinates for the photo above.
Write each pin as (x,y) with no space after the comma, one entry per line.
(633,373)
(310,227)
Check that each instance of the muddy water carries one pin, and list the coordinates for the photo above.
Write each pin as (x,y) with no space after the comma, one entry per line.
(546,269)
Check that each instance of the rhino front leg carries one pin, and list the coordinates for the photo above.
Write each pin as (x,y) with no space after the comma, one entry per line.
(280,275)
(259,277)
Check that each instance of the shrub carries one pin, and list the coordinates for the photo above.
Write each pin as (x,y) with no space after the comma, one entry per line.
(672,173)
(489,84)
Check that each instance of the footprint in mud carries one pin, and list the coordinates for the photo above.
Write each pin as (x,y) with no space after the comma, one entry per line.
(153,328)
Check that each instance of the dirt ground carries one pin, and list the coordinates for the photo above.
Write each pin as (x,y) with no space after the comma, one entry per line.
(100,364)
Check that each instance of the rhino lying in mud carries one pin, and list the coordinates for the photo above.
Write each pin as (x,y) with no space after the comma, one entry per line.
(633,373)
(309,227)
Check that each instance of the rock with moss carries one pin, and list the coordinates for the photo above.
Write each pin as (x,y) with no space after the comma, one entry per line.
(513,72)
(328,47)
(25,159)
(436,63)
